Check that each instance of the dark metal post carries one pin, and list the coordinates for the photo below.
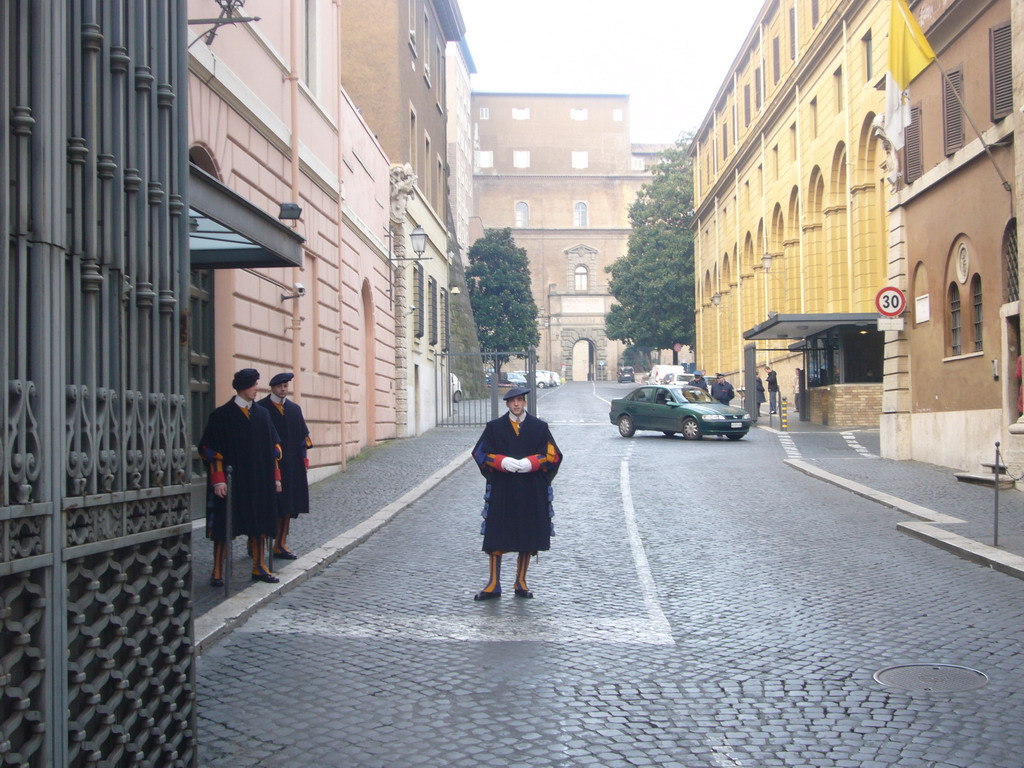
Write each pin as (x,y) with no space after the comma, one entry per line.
(228,535)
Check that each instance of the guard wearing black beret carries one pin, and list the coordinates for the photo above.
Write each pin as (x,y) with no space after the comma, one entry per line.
(295,444)
(241,436)
(518,458)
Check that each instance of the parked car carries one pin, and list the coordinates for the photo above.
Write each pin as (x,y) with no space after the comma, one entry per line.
(689,411)
(626,374)
(456,386)
(676,379)
(515,379)
(548,379)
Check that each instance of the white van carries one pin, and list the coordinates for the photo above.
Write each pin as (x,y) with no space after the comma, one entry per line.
(660,374)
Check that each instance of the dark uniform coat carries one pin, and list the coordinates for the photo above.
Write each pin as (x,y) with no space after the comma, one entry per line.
(291,428)
(251,447)
(517,506)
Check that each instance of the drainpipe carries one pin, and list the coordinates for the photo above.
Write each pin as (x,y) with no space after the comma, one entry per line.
(343,427)
(293,87)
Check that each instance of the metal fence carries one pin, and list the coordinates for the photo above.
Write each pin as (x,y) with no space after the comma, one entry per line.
(471,385)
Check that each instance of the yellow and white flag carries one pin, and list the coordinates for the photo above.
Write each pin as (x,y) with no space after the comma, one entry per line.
(909,54)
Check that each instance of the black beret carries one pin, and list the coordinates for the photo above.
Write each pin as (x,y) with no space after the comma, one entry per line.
(515,392)
(281,378)
(245,378)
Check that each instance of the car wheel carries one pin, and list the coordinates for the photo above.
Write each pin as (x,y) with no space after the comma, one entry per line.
(457,397)
(691,429)
(626,426)
(735,437)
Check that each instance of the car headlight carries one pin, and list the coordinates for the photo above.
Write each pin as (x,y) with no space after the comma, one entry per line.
(715,417)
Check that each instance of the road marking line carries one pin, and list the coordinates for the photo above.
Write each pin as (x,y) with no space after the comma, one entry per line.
(643,569)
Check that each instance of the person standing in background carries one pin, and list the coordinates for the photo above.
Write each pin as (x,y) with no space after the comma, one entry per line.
(772,379)
(295,444)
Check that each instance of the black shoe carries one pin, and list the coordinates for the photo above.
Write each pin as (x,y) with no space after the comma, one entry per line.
(267,578)
(216,582)
(286,555)
(523,592)
(481,595)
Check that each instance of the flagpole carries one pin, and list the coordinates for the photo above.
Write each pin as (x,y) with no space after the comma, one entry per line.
(985,144)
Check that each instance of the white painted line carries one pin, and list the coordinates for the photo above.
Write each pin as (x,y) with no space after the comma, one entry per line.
(643,569)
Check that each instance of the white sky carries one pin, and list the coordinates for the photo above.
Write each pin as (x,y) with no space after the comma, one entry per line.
(670,56)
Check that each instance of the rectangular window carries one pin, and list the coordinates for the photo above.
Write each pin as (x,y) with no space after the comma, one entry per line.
(869,56)
(425,185)
(952,112)
(815,16)
(814,117)
(520,158)
(912,150)
(521,113)
(310,45)
(776,60)
(757,89)
(638,164)
(485,113)
(954,321)
(725,140)
(577,114)
(837,81)
(413,138)
(484,158)
(1001,70)
(418,296)
(979,319)
(792,33)
(746,104)
(580,160)
(432,304)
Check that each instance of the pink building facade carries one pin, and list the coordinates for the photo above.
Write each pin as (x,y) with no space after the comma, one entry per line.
(269,121)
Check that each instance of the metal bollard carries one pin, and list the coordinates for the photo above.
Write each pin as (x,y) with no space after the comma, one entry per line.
(783,414)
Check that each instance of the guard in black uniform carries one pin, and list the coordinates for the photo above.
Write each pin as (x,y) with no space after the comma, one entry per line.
(295,444)
(519,458)
(241,435)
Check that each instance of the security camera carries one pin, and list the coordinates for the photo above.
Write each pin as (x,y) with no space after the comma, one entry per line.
(300,289)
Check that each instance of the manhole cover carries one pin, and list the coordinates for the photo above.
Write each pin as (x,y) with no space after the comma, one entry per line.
(931,678)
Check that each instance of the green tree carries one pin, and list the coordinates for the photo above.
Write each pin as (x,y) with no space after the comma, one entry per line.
(500,294)
(653,283)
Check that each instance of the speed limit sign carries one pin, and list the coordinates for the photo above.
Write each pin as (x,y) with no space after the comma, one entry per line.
(890,301)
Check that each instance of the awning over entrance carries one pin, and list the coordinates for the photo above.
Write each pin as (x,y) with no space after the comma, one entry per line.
(227,231)
(802,326)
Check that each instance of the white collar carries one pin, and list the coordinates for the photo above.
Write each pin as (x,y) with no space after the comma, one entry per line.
(275,399)
(241,402)
(520,420)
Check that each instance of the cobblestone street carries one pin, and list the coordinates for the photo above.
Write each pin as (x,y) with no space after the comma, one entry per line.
(703,604)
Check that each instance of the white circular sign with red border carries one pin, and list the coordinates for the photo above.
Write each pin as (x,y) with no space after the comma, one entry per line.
(890,301)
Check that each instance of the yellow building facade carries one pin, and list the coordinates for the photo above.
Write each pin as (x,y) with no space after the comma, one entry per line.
(790,195)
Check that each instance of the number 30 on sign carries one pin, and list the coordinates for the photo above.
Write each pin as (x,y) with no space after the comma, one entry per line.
(890,301)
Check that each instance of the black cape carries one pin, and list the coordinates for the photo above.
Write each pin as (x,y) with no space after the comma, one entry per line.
(293,500)
(518,506)
(249,445)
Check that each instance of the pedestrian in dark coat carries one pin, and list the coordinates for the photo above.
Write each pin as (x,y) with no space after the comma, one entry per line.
(759,386)
(773,388)
(295,443)
(519,458)
(722,390)
(699,380)
(241,436)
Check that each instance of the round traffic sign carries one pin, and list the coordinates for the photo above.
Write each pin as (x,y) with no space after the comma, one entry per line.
(890,301)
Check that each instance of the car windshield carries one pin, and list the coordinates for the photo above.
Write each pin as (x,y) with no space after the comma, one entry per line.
(693,395)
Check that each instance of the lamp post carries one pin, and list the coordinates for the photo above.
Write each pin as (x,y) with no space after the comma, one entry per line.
(419,240)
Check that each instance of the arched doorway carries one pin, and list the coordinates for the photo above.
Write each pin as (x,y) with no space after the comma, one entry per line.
(583,360)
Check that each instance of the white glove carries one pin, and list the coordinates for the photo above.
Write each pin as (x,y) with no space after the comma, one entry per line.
(509,464)
(524,465)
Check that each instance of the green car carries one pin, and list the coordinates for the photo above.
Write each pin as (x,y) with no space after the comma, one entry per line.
(689,411)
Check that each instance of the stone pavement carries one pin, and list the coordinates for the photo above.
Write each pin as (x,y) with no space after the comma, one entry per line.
(348,507)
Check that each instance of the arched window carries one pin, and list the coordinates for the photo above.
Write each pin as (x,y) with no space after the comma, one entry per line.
(522,214)
(579,215)
(979,322)
(955,344)
(582,276)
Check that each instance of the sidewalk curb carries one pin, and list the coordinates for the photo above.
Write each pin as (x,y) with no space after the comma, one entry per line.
(222,619)
(924,527)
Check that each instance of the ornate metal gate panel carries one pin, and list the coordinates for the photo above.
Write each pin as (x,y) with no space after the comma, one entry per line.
(96,657)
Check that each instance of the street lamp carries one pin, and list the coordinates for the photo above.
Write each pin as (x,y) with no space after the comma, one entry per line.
(419,240)
(766,261)
(716,298)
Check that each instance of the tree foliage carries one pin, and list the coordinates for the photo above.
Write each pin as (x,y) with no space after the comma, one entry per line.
(653,283)
(500,293)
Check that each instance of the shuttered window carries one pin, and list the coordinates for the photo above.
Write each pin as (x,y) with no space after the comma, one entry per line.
(912,156)
(952,112)
(955,327)
(757,89)
(792,33)
(776,60)
(432,304)
(419,291)
(1001,66)
(979,316)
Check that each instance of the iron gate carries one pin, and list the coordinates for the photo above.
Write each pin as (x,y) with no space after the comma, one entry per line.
(95,579)
(470,385)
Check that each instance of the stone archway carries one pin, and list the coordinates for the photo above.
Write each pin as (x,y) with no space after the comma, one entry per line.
(585,354)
